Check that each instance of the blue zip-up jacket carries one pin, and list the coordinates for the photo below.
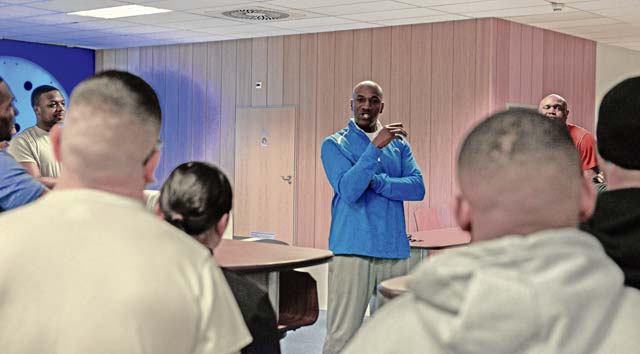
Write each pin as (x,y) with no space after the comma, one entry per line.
(368,220)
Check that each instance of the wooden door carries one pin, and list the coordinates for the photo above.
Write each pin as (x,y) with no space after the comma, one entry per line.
(264,173)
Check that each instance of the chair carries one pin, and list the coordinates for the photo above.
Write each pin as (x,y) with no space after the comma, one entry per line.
(298,301)
(298,293)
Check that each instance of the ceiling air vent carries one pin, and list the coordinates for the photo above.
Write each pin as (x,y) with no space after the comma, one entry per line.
(256,14)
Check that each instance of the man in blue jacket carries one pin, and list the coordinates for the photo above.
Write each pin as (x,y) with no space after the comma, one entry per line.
(17,187)
(372,172)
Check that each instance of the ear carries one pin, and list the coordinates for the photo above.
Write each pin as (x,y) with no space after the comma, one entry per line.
(157,211)
(56,138)
(222,224)
(149,168)
(351,105)
(381,107)
(587,199)
(462,210)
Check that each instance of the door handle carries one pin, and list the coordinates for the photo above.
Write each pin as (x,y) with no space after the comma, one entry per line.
(286,179)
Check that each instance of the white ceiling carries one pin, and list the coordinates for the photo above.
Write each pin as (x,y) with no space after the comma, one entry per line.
(615,22)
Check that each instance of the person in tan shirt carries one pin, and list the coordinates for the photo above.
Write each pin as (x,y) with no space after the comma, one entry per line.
(32,148)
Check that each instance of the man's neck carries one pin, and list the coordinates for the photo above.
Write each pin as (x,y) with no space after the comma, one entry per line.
(43,127)
(127,188)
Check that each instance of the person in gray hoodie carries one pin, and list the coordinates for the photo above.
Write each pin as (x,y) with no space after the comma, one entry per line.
(530,282)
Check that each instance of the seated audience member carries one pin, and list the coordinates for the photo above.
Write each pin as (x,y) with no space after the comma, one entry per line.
(32,148)
(197,198)
(17,187)
(88,269)
(616,219)
(531,282)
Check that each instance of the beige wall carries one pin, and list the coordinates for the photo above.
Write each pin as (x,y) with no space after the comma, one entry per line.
(613,64)
(439,79)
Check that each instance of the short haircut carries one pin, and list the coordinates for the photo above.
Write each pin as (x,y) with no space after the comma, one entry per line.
(112,124)
(39,91)
(195,196)
(619,124)
(510,142)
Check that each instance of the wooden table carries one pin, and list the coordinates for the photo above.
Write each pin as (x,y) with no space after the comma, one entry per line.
(252,257)
(423,242)
(439,238)
(262,262)
(393,287)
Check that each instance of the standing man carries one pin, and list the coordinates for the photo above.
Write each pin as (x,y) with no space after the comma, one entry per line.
(88,269)
(372,172)
(555,106)
(17,187)
(616,220)
(32,148)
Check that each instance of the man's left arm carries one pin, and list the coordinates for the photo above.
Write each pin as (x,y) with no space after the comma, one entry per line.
(409,186)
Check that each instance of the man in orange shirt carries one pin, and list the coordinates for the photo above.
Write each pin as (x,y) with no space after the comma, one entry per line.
(555,106)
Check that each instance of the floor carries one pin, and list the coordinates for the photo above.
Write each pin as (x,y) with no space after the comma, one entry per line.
(306,340)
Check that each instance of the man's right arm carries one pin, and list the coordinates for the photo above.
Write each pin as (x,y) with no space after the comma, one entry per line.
(348,179)
(33,169)
(22,152)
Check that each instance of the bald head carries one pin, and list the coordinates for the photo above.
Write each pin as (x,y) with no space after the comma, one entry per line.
(367,84)
(112,126)
(7,111)
(554,106)
(522,170)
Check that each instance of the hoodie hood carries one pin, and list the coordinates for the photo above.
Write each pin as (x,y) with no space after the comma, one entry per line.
(550,292)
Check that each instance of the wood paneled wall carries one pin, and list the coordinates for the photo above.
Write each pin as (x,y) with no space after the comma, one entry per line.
(439,79)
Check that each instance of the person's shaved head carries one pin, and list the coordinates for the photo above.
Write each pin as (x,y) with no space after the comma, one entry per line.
(370,84)
(521,170)
(112,125)
(554,106)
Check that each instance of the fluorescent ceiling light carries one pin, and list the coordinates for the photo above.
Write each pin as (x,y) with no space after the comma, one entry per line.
(120,11)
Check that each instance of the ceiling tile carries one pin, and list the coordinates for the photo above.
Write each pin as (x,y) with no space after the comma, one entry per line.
(21,2)
(310,4)
(603,4)
(56,19)
(309,22)
(95,25)
(196,4)
(76,5)
(359,8)
(237,29)
(428,3)
(523,11)
(163,18)
(394,14)
(204,23)
(576,23)
(559,16)
(21,11)
(484,6)
(342,27)
(416,20)
(618,12)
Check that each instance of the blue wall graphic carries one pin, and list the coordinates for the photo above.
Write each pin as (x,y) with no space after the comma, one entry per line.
(25,66)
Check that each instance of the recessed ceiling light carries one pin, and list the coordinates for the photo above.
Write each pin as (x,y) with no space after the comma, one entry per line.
(120,11)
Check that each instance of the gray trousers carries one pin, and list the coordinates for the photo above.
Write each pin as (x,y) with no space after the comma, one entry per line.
(353,280)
